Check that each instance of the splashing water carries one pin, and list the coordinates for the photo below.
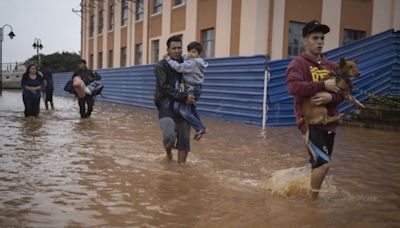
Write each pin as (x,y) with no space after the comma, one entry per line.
(292,182)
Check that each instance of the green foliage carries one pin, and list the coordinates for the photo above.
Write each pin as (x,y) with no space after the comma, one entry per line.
(58,62)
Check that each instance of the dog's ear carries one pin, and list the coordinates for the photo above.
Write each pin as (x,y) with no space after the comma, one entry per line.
(355,61)
(342,62)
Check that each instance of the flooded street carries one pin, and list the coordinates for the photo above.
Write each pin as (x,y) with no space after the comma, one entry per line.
(110,171)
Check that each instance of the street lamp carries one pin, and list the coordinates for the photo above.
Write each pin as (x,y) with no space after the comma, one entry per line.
(37,44)
(11,35)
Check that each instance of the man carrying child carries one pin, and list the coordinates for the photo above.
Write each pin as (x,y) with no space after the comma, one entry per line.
(192,69)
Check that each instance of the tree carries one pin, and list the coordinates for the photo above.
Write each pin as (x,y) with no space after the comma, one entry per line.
(57,62)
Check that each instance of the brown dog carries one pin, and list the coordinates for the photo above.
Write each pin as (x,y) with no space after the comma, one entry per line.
(342,73)
(318,114)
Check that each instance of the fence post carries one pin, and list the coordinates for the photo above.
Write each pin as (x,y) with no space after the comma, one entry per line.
(265,106)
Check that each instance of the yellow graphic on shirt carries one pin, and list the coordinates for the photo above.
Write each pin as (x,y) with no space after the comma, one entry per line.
(318,74)
(182,87)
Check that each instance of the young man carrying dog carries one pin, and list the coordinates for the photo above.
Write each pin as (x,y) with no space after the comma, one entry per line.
(304,80)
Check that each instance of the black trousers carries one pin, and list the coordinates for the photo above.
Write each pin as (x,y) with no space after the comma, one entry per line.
(48,95)
(89,101)
(32,105)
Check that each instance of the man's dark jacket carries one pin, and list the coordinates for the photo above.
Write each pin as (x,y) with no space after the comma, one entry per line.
(48,77)
(166,79)
(87,75)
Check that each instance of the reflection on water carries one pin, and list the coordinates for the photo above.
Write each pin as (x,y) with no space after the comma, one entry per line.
(109,170)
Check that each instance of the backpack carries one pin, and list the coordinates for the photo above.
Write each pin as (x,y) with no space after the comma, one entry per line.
(68,87)
(95,87)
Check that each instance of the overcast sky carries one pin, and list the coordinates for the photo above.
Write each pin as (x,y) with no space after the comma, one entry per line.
(52,21)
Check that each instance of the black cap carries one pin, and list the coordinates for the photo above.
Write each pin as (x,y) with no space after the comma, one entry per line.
(314,25)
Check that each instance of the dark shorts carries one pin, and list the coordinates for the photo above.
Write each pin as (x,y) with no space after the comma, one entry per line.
(321,146)
(175,134)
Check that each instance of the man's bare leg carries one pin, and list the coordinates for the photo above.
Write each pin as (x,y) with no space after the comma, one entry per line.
(317,177)
(182,156)
(167,126)
(168,154)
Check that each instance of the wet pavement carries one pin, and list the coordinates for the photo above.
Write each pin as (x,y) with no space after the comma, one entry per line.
(110,171)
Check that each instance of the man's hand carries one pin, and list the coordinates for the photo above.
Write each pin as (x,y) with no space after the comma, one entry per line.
(190,99)
(330,85)
(321,98)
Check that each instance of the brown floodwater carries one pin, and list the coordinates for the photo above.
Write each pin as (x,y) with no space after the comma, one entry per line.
(110,171)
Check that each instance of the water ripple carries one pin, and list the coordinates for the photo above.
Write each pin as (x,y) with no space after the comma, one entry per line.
(110,171)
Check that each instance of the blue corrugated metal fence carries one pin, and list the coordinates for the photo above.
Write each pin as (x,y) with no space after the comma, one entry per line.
(233,87)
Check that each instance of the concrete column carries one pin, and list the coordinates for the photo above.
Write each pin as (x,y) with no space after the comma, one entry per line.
(190,32)
(396,14)
(223,28)
(382,16)
(278,32)
(261,27)
(331,11)
(131,36)
(166,25)
(130,24)
(95,34)
(253,27)
(385,16)
(146,15)
(117,34)
(105,34)
(85,35)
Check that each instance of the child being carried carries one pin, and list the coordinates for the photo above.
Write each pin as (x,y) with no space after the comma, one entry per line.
(192,69)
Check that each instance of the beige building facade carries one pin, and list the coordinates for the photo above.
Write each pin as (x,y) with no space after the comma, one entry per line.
(121,33)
